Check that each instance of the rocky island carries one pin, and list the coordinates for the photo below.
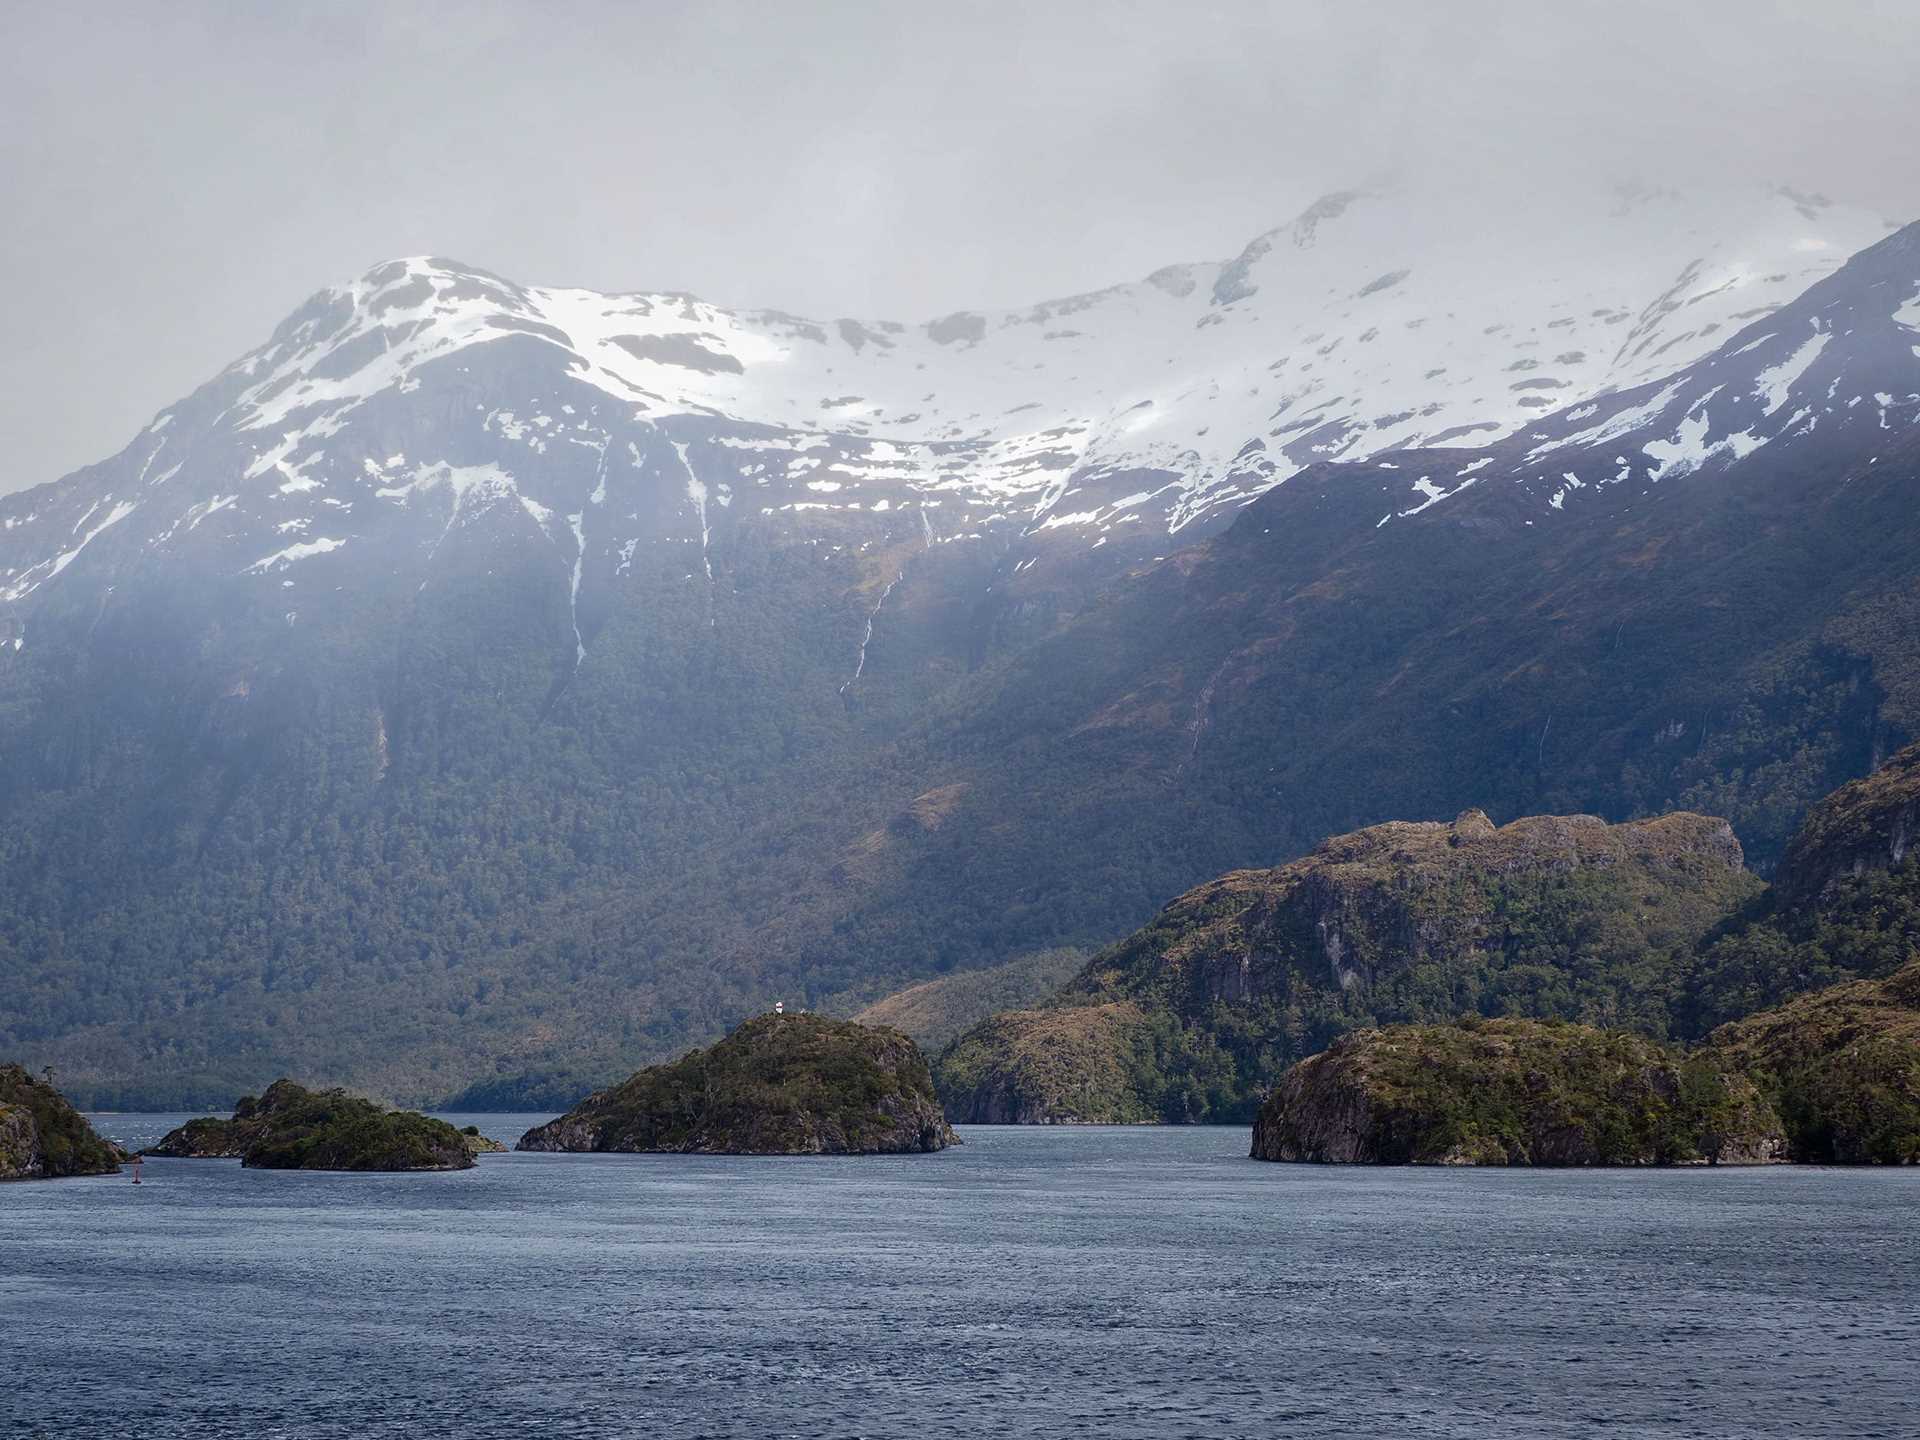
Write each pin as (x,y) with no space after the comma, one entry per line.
(478,1144)
(1515,1092)
(42,1137)
(293,1128)
(778,1085)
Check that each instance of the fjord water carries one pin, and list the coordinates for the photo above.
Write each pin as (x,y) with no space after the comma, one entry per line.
(1038,1281)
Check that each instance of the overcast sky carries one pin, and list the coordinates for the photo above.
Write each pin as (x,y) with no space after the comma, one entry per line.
(175,178)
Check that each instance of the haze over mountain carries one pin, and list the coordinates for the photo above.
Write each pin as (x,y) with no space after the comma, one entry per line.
(479,677)
(184,175)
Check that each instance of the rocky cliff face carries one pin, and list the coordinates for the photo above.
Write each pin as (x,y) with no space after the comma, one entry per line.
(290,1127)
(778,1085)
(1514,1092)
(1563,917)
(42,1137)
(1871,824)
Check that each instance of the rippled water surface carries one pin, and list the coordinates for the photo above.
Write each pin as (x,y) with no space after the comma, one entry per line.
(1035,1282)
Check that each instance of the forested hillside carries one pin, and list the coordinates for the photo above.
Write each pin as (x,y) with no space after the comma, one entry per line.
(1651,927)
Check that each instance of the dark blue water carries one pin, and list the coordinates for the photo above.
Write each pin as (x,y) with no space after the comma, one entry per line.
(1035,1282)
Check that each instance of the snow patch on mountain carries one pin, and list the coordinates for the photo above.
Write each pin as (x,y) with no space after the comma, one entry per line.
(40,574)
(1908,315)
(301,550)
(1774,385)
(1833,366)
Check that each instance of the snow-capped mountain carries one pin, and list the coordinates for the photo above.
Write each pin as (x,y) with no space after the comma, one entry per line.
(388,415)
(479,676)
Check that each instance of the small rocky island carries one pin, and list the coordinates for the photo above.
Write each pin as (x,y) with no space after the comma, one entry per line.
(778,1085)
(42,1137)
(293,1128)
(1514,1092)
(478,1144)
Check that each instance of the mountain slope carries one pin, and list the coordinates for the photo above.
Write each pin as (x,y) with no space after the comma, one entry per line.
(481,679)
(1736,639)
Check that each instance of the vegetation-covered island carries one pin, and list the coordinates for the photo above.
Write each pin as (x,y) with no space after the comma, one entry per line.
(293,1128)
(1829,1078)
(42,1137)
(778,1085)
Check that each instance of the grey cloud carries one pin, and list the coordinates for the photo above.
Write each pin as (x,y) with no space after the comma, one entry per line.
(178,178)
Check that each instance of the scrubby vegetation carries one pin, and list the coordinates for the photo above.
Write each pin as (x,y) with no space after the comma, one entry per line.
(1070,1063)
(935,1011)
(1829,1078)
(1514,1092)
(1845,905)
(778,1085)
